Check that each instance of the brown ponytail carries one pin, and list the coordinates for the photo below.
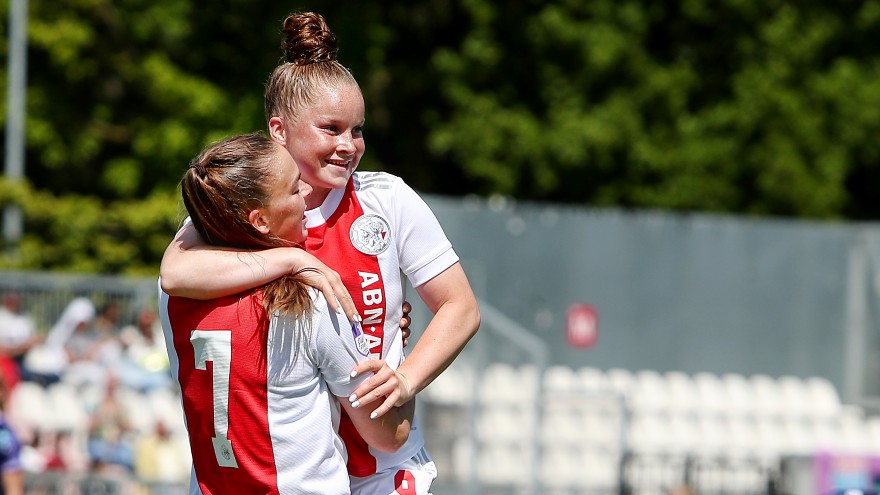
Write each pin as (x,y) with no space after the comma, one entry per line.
(222,185)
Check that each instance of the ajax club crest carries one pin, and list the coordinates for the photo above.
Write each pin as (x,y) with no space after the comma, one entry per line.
(370,234)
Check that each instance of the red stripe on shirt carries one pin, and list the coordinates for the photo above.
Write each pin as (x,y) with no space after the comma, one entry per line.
(331,243)
(248,430)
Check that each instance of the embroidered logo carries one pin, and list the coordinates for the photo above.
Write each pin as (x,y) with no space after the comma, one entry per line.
(370,234)
(361,341)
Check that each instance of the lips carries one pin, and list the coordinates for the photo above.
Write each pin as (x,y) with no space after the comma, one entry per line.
(339,163)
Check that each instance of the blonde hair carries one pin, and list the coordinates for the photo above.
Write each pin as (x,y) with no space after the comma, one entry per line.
(308,67)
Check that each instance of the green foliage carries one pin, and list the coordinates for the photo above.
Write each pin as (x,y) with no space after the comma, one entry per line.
(119,99)
(87,235)
(739,106)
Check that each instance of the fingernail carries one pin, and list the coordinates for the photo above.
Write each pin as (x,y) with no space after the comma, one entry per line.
(356,404)
(352,397)
(339,310)
(373,415)
(354,373)
(358,318)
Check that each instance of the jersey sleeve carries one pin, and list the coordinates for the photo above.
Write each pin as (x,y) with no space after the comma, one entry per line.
(336,348)
(422,246)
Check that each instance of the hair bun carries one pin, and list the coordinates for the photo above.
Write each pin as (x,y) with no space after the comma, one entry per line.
(307,39)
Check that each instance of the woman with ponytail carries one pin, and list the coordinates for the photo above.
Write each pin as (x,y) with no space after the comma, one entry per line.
(265,373)
(369,227)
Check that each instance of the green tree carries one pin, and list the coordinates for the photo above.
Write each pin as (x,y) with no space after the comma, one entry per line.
(122,94)
(739,106)
(735,106)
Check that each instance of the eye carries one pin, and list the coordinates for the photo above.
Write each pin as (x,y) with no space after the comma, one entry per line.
(358,130)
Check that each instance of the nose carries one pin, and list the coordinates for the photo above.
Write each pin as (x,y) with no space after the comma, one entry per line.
(345,144)
(304,189)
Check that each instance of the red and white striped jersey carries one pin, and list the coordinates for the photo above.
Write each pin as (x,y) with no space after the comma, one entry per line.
(373,232)
(259,393)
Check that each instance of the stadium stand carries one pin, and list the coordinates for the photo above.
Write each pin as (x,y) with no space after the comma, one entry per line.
(497,427)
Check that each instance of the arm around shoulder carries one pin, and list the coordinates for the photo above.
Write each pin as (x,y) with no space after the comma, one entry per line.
(191,268)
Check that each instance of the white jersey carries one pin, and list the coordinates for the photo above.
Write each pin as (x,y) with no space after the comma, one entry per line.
(255,393)
(370,232)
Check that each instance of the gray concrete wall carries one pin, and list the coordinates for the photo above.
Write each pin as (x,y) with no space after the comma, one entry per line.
(679,292)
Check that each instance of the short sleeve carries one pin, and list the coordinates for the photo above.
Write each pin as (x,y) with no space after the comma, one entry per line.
(335,347)
(424,250)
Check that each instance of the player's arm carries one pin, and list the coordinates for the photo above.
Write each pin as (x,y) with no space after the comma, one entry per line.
(191,268)
(337,351)
(13,482)
(456,320)
(386,433)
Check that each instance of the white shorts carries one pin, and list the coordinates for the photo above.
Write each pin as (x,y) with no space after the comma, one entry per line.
(413,477)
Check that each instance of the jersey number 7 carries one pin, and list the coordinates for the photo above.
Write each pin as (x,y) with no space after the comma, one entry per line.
(216,346)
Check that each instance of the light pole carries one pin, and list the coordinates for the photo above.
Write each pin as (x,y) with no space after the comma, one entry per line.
(16,95)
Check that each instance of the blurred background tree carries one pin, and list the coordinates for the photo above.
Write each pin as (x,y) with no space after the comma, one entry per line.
(737,106)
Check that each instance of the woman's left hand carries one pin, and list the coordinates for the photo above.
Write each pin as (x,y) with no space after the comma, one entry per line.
(386,385)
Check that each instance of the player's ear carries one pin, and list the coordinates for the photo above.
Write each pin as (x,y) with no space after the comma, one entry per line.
(276,130)
(259,220)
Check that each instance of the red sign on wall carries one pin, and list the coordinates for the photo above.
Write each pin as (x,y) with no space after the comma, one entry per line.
(581,326)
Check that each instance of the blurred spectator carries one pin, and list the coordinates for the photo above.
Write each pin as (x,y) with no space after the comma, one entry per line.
(11,471)
(145,363)
(17,334)
(93,350)
(111,436)
(162,461)
(46,362)
(43,451)
(107,322)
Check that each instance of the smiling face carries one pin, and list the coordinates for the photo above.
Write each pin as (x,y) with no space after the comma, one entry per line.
(284,216)
(326,139)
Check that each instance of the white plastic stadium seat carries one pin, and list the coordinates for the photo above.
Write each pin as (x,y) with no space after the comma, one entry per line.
(503,384)
(740,394)
(649,434)
(454,387)
(67,407)
(711,394)
(682,392)
(592,379)
(505,423)
(504,465)
(561,424)
(620,380)
(560,379)
(650,393)
(823,397)
(872,434)
(29,404)
(767,396)
(794,397)
(560,466)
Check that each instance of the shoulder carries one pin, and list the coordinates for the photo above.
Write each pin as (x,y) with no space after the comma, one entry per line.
(322,317)
(366,181)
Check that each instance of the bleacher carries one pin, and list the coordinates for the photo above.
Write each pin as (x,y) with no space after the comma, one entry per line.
(643,432)
(540,427)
